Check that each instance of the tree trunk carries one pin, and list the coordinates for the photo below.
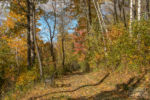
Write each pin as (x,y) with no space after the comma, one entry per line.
(52,53)
(28,35)
(32,34)
(62,41)
(36,44)
(135,9)
(120,8)
(101,25)
(139,18)
(51,36)
(124,14)
(62,30)
(17,59)
(115,11)
(102,19)
(147,8)
(63,53)
(139,10)
(131,17)
(89,12)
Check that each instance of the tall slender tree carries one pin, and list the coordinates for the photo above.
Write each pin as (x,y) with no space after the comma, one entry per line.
(148,8)
(89,12)
(52,31)
(131,17)
(115,11)
(35,40)
(124,13)
(139,10)
(29,63)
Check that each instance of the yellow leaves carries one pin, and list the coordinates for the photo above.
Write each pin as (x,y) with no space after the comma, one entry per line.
(100,1)
(23,4)
(115,32)
(16,17)
(12,14)
(25,78)
(18,45)
(16,42)
(82,57)
(134,56)
(38,30)
(4,37)
(14,96)
(13,18)
(9,73)
(149,48)
(130,62)
(97,56)
(10,23)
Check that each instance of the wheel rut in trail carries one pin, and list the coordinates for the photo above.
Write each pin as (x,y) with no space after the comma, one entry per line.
(80,85)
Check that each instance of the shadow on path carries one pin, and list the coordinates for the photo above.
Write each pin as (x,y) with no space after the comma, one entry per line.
(122,92)
(98,83)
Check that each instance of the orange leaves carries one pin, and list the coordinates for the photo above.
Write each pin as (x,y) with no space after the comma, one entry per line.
(25,78)
(12,19)
(23,4)
(16,42)
(17,45)
(38,30)
(10,23)
(115,32)
(9,72)
(16,17)
(82,57)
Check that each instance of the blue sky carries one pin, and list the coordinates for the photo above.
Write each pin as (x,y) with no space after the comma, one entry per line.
(44,33)
(70,27)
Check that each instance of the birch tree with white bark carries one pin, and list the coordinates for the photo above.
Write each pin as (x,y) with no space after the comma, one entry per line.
(139,10)
(101,22)
(131,17)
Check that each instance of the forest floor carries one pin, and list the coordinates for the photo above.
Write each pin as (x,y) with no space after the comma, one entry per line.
(99,85)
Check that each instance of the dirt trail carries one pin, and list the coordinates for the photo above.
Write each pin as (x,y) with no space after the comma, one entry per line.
(82,87)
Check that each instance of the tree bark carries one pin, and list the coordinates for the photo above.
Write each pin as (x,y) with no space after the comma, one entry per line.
(28,35)
(102,19)
(89,12)
(131,17)
(115,11)
(52,53)
(51,42)
(147,8)
(62,30)
(139,18)
(101,25)
(124,14)
(135,9)
(139,10)
(32,33)
(63,53)
(17,59)
(36,44)
(120,8)
(62,41)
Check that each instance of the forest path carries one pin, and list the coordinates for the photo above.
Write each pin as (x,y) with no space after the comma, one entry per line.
(89,86)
